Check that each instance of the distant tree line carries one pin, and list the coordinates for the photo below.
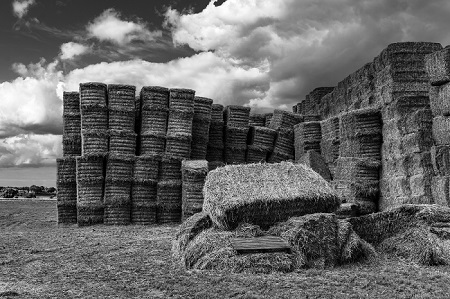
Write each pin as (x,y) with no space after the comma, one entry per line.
(27,192)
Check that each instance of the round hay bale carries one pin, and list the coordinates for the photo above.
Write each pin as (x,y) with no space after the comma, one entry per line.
(144,193)
(67,214)
(216,134)
(71,102)
(257,120)
(181,99)
(144,214)
(262,137)
(217,113)
(178,146)
(71,145)
(66,169)
(237,116)
(117,215)
(202,107)
(215,154)
(66,192)
(117,193)
(235,155)
(192,198)
(89,166)
(72,123)
(236,136)
(121,96)
(152,144)
(169,213)
(94,119)
(119,167)
(122,142)
(264,194)
(169,192)
(155,98)
(146,168)
(199,148)
(94,142)
(93,94)
(122,119)
(170,169)
(154,121)
(89,213)
(179,122)
(200,127)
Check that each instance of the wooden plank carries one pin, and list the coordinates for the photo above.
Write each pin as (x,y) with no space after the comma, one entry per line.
(260,245)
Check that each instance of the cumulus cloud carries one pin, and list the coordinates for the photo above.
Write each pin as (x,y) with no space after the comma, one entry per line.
(71,49)
(21,7)
(110,27)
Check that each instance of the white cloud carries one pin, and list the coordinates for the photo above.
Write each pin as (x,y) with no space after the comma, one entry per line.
(110,27)
(71,49)
(20,7)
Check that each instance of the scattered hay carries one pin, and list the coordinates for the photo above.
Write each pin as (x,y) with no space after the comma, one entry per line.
(93,94)
(236,116)
(122,142)
(178,146)
(317,163)
(155,98)
(437,65)
(265,194)
(71,102)
(121,96)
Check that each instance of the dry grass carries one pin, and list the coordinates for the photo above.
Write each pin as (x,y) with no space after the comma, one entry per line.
(41,260)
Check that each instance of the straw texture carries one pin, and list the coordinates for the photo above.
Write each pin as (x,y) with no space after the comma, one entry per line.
(121,96)
(155,98)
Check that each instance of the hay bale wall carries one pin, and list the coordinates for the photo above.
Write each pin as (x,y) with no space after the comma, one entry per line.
(200,127)
(236,130)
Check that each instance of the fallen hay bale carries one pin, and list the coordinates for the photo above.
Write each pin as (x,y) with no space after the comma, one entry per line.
(264,194)
(189,229)
(153,144)
(155,98)
(121,96)
(71,102)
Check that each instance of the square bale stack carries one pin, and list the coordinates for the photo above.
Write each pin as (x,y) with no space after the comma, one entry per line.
(329,144)
(154,114)
(438,68)
(200,127)
(193,174)
(268,119)
(119,178)
(307,136)
(137,124)
(216,145)
(257,120)
(66,185)
(72,124)
(260,144)
(314,101)
(236,130)
(94,118)
(283,122)
(144,189)
(90,187)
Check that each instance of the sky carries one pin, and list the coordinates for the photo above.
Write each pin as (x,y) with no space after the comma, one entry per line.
(264,54)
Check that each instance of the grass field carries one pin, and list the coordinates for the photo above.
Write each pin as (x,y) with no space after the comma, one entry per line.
(39,259)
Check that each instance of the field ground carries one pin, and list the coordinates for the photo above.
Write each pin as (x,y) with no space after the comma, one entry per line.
(39,259)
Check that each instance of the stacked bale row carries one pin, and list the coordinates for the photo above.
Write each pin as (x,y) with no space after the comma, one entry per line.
(357,170)
(178,148)
(91,165)
(438,68)
(330,142)
(66,185)
(236,130)
(200,127)
(216,145)
(193,174)
(283,122)
(307,136)
(257,120)
(311,104)
(260,144)
(144,190)
(71,124)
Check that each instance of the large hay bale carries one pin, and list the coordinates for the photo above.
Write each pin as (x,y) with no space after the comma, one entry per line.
(200,127)
(71,102)
(265,194)
(170,169)
(152,144)
(257,120)
(155,98)
(311,117)
(66,190)
(439,103)
(193,175)
(180,122)
(216,135)
(71,145)
(71,123)
(154,121)
(89,166)
(256,154)
(94,118)
(317,163)
(330,128)
(441,130)
(94,142)
(361,122)
(66,169)
(236,116)
(437,65)
(122,142)
(364,147)
(284,120)
(93,94)
(89,213)
(188,230)
(120,167)
(236,136)
(262,137)
(202,107)
(217,113)
(121,96)
(181,99)
(364,194)
(178,146)
(67,211)
(146,169)
(122,119)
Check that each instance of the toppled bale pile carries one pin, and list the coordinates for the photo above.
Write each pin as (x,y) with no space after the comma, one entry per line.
(265,194)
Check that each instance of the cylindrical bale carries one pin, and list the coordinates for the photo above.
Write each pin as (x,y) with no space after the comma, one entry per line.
(146,169)
(94,142)
(217,113)
(169,205)
(143,214)
(94,119)
(168,213)
(89,166)
(236,136)
(178,146)
(199,147)
(90,191)
(202,107)
(262,137)
(117,193)
(122,142)
(170,169)
(180,122)
(93,94)
(237,116)
(192,199)
(257,120)
(72,123)
(67,193)
(119,167)
(144,194)
(66,213)
(152,144)
(121,96)
(216,134)
(235,155)
(155,98)
(71,102)
(66,170)
(154,121)
(122,119)
(117,214)
(89,213)
(71,145)
(181,99)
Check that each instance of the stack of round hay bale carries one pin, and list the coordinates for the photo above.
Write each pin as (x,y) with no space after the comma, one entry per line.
(260,144)
(119,178)
(72,124)
(236,130)
(144,189)
(94,118)
(154,114)
(200,127)
(137,126)
(66,185)
(90,183)
(257,120)
(178,148)
(357,169)
(329,144)
(283,122)
(307,136)
(216,145)
(193,175)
